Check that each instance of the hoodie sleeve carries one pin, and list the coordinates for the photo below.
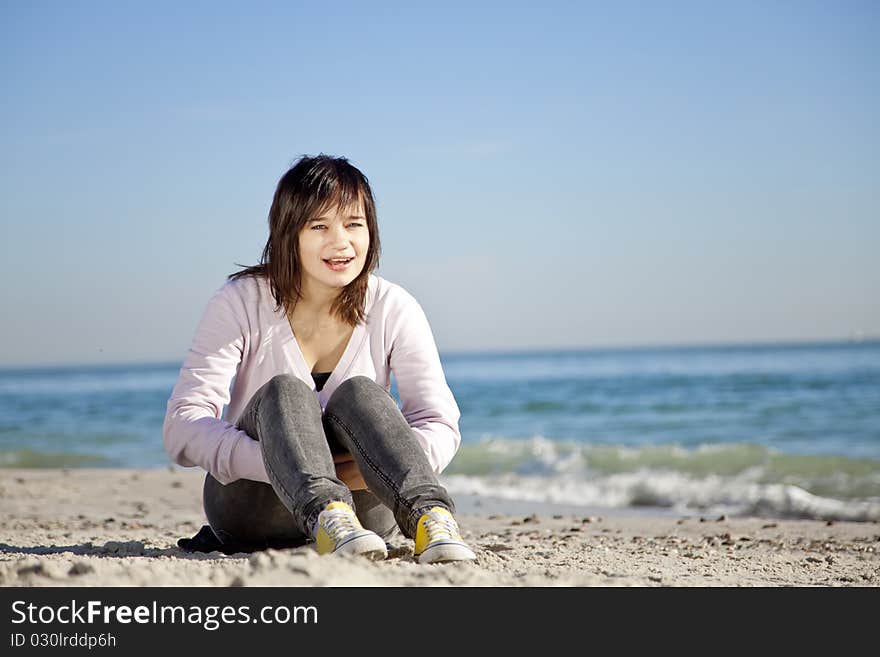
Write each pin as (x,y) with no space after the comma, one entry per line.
(193,433)
(427,402)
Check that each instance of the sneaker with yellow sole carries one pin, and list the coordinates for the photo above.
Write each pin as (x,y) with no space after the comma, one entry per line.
(339,531)
(438,539)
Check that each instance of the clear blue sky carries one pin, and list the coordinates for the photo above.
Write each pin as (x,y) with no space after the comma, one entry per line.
(547,174)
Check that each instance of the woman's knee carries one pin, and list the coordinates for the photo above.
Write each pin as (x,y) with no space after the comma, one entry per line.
(281,393)
(357,390)
(285,391)
(286,384)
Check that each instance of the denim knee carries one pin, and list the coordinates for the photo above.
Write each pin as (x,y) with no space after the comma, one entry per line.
(356,390)
(355,384)
(282,384)
(283,388)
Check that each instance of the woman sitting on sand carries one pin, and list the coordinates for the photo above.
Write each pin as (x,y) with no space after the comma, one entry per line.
(315,447)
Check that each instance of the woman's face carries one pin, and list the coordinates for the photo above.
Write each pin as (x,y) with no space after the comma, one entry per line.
(336,234)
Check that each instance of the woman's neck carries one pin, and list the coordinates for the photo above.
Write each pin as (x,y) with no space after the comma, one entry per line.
(314,305)
(313,309)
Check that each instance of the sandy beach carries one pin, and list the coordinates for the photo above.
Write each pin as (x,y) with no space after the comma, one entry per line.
(117,527)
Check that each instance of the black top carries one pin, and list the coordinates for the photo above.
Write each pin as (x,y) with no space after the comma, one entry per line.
(320,379)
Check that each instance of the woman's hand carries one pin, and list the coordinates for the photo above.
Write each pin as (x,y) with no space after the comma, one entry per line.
(348,471)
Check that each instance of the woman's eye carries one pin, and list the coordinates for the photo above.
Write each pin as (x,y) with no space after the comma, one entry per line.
(355,224)
(317,226)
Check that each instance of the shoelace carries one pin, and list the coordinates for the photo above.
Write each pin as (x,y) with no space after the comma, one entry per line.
(440,526)
(338,523)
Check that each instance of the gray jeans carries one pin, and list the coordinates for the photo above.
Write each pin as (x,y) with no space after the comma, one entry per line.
(298,443)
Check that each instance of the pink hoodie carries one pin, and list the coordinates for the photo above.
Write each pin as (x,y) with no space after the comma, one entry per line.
(241,336)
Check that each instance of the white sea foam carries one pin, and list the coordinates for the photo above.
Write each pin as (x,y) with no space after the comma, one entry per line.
(734,479)
(668,490)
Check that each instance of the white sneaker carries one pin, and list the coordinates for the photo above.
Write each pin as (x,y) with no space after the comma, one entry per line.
(438,538)
(338,530)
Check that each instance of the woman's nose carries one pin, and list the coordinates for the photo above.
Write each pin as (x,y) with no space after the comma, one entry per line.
(339,235)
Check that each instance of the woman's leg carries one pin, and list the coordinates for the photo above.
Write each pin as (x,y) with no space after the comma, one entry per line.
(250,512)
(364,418)
(285,417)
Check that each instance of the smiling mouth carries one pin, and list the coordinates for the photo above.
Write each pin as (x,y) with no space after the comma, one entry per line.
(339,264)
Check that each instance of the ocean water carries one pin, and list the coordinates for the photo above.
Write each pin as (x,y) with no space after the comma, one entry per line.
(778,430)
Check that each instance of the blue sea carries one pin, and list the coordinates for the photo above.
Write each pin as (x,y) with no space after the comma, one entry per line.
(770,430)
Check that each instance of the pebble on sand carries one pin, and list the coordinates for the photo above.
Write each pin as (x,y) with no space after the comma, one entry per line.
(123,548)
(80,568)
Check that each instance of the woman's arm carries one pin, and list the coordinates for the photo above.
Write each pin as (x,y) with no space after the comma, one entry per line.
(193,432)
(427,402)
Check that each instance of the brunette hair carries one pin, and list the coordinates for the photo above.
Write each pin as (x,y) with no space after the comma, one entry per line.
(310,187)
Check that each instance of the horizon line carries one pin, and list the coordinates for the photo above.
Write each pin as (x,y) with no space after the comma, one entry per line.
(865,340)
